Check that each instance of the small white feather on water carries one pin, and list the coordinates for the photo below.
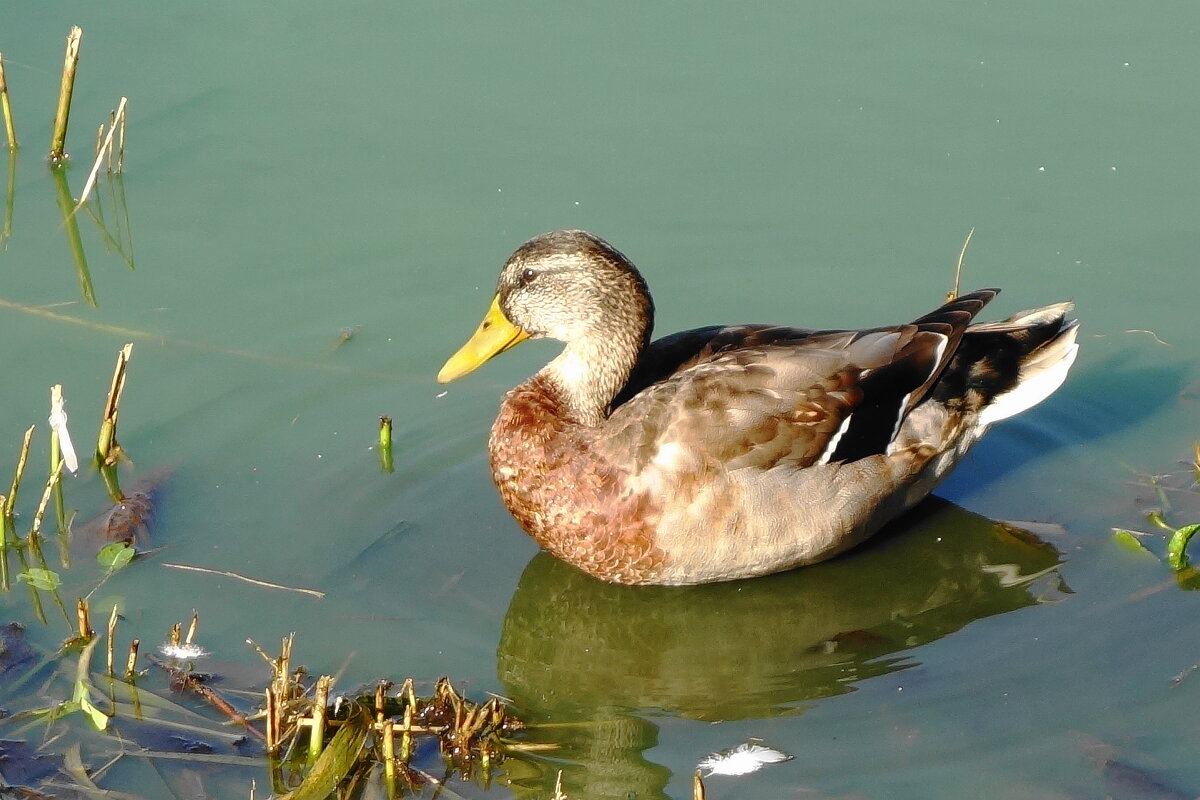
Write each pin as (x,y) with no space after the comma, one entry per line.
(182,652)
(742,760)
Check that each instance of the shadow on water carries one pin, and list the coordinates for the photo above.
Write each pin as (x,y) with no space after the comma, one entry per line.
(1090,407)
(575,649)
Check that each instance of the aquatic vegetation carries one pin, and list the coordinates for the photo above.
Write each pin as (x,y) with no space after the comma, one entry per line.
(1176,494)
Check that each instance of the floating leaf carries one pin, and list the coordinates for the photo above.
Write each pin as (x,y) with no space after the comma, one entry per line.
(1176,555)
(116,555)
(97,717)
(1156,519)
(1130,541)
(45,579)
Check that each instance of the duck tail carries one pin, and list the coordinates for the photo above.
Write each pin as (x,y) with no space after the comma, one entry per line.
(1006,367)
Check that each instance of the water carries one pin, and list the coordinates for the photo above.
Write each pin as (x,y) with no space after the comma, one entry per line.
(295,172)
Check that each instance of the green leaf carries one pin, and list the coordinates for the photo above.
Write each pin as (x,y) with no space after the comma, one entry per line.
(97,717)
(1176,555)
(116,555)
(44,579)
(1130,541)
(1156,519)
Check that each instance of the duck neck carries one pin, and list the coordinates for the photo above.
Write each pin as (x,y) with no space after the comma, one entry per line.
(589,373)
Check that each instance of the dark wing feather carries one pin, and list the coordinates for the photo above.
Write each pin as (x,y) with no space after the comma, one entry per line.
(761,396)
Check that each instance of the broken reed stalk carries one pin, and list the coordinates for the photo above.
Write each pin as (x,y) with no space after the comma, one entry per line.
(63,113)
(106,147)
(131,662)
(316,734)
(272,712)
(107,440)
(11,501)
(35,530)
(191,634)
(10,195)
(83,617)
(697,786)
(112,123)
(109,644)
(9,130)
(121,147)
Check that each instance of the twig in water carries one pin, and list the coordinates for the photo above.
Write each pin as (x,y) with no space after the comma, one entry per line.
(255,581)
(1152,335)
(953,295)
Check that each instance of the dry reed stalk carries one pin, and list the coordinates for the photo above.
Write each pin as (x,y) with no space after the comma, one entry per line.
(272,702)
(121,147)
(697,786)
(406,735)
(108,423)
(6,107)
(35,529)
(191,634)
(131,662)
(11,501)
(389,751)
(118,115)
(316,733)
(112,123)
(109,645)
(83,617)
(10,194)
(63,113)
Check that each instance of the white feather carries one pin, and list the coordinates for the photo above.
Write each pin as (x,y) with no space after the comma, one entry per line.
(1030,390)
(742,760)
(833,441)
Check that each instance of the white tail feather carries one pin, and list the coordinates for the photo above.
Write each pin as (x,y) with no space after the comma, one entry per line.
(1042,373)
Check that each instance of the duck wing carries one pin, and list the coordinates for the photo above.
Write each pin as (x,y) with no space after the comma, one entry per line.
(759,397)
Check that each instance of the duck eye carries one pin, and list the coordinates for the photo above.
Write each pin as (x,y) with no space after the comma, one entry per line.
(528,275)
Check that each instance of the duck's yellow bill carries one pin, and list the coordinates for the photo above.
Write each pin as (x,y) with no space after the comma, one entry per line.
(494,335)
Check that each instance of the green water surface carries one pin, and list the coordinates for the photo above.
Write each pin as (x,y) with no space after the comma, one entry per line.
(298,170)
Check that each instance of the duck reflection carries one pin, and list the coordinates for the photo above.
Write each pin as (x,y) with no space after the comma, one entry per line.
(588,657)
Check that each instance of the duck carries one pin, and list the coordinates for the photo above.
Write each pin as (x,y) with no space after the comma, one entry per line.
(733,451)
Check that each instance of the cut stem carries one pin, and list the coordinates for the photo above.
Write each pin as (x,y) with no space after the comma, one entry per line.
(10,502)
(65,89)
(106,443)
(9,130)
(385,444)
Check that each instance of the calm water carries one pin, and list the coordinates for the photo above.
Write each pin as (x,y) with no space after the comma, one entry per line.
(296,171)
